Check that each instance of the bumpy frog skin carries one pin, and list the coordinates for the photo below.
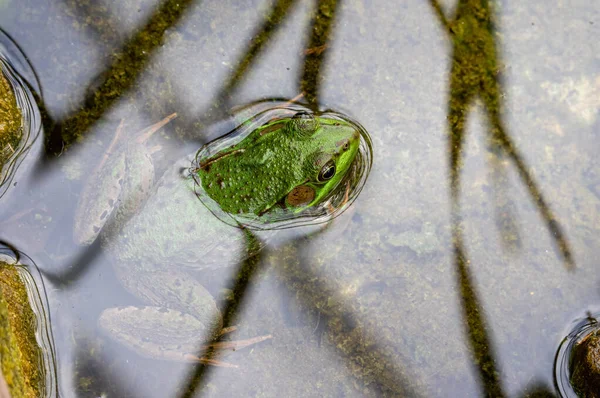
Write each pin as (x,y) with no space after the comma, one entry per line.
(301,159)
(290,164)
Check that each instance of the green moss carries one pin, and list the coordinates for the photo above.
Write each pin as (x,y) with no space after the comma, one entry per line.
(10,122)
(20,356)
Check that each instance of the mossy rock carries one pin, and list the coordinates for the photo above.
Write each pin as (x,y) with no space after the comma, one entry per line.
(585,360)
(20,355)
(10,122)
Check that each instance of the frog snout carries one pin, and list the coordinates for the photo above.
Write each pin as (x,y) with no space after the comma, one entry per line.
(350,138)
(348,142)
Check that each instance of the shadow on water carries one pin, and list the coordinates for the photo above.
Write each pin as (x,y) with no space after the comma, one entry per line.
(475,73)
(472,36)
(118,78)
(121,76)
(321,27)
(477,329)
(271,25)
(78,267)
(346,329)
(364,352)
(246,272)
(108,35)
(314,55)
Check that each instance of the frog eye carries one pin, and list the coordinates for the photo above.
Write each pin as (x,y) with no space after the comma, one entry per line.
(327,172)
(305,122)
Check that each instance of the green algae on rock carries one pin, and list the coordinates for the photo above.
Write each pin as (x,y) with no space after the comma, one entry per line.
(27,361)
(20,117)
(20,353)
(10,122)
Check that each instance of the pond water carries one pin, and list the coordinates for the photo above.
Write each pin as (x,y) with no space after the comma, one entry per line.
(469,255)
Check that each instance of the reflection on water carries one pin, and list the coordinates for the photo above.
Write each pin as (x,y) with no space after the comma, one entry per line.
(117,79)
(157,248)
(118,186)
(398,295)
(475,73)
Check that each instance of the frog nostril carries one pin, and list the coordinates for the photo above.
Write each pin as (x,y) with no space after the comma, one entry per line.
(302,115)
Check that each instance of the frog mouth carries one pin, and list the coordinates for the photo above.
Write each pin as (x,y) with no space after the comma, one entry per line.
(205,165)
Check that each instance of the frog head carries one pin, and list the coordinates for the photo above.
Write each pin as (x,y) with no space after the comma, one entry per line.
(292,163)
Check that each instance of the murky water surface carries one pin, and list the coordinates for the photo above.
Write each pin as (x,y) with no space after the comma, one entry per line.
(457,271)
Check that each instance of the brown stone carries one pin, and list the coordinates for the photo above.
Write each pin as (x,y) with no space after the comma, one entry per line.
(585,365)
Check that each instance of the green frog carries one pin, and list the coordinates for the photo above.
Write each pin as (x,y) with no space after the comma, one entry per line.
(277,167)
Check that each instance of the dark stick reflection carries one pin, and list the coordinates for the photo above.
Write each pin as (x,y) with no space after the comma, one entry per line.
(78,267)
(475,72)
(119,77)
(279,12)
(136,50)
(314,55)
(537,389)
(246,271)
(364,352)
(477,329)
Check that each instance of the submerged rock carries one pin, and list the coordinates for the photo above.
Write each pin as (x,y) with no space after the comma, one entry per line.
(585,364)
(21,360)
(10,122)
